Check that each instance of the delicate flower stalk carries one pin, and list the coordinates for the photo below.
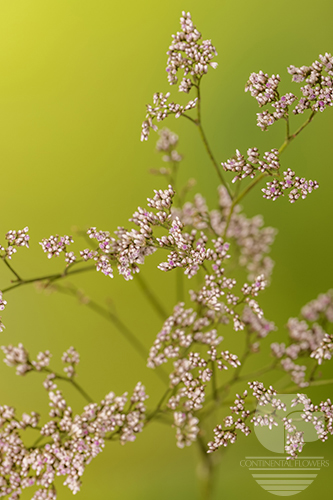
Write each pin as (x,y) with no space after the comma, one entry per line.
(226,254)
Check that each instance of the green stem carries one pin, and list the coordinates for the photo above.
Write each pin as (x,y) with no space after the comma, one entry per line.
(198,123)
(210,154)
(189,118)
(38,440)
(11,269)
(158,407)
(289,390)
(289,138)
(205,471)
(214,386)
(225,388)
(121,327)
(252,184)
(180,285)
(81,390)
(287,127)
(151,296)
(51,277)
(315,383)
(313,372)
(74,384)
(240,197)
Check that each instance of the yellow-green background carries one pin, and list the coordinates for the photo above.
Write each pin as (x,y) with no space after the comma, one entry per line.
(75,77)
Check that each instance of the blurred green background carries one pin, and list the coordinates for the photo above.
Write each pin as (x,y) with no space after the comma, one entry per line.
(75,78)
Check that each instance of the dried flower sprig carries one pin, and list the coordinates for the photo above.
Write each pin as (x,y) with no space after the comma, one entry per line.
(317,93)
(67,443)
(268,414)
(213,245)
(307,338)
(161,110)
(188,54)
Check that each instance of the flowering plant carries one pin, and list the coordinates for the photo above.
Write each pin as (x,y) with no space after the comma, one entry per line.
(228,253)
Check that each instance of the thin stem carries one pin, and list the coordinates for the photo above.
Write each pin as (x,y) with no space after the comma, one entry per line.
(252,184)
(240,367)
(205,471)
(198,123)
(51,277)
(180,285)
(210,154)
(38,440)
(225,388)
(74,384)
(158,407)
(314,383)
(258,373)
(81,391)
(151,296)
(208,149)
(173,176)
(299,130)
(287,127)
(189,118)
(313,372)
(214,386)
(240,197)
(11,269)
(121,327)
(289,138)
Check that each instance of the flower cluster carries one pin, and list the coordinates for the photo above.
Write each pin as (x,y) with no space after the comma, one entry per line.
(188,251)
(72,358)
(298,187)
(318,91)
(187,53)
(160,110)
(186,334)
(249,167)
(317,94)
(3,302)
(265,119)
(320,309)
(253,241)
(54,245)
(257,324)
(269,413)
(183,335)
(67,443)
(167,144)
(212,245)
(228,434)
(18,357)
(100,256)
(128,248)
(307,337)
(320,416)
(325,349)
(15,239)
(186,428)
(263,87)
